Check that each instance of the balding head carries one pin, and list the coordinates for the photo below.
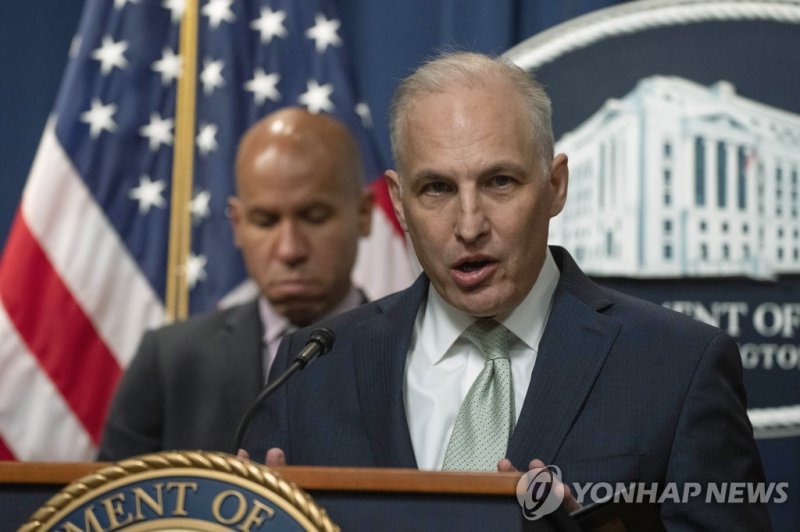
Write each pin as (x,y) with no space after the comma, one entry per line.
(453,71)
(294,132)
(300,210)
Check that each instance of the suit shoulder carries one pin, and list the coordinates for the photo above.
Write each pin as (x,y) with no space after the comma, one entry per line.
(173,350)
(182,342)
(352,318)
(203,324)
(635,310)
(360,313)
(631,311)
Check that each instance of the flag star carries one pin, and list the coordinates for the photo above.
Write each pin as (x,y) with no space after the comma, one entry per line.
(362,110)
(264,86)
(148,194)
(169,66)
(324,32)
(218,11)
(100,117)
(270,24)
(317,97)
(111,54)
(158,131)
(199,206)
(211,76)
(176,7)
(196,269)
(207,138)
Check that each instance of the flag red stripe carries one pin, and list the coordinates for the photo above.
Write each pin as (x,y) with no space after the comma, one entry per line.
(56,330)
(380,188)
(5,452)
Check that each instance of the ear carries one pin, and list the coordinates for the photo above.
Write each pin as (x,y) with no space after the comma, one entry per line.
(559,179)
(234,212)
(397,200)
(365,204)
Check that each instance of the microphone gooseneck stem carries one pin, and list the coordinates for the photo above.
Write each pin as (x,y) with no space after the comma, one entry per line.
(320,343)
(262,395)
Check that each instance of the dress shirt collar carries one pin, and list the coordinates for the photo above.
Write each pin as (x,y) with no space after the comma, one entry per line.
(276,324)
(443,324)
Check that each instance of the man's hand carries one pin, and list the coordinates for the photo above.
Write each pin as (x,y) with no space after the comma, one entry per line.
(275,457)
(241,454)
(570,503)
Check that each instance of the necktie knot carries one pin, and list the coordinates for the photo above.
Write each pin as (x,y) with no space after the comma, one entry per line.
(491,338)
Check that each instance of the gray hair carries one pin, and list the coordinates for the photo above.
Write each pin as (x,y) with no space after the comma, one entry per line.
(471,70)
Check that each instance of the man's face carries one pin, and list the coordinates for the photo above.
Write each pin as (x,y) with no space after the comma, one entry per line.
(475,197)
(297,221)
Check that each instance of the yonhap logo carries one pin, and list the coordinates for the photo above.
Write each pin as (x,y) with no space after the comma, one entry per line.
(539,492)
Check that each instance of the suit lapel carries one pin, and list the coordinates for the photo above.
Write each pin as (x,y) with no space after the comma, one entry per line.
(574,347)
(242,343)
(381,347)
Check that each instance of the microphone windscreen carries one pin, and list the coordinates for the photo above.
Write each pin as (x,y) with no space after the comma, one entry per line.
(324,337)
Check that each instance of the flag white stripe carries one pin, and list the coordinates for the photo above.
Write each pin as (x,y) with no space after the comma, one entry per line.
(381,252)
(86,251)
(35,421)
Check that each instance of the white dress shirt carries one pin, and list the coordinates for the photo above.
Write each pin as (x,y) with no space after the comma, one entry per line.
(441,366)
(276,326)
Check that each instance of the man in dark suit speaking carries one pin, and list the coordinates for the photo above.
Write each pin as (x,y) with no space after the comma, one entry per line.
(299,211)
(503,351)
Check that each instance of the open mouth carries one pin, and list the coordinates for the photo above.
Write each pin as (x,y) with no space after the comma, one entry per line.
(471,274)
(471,266)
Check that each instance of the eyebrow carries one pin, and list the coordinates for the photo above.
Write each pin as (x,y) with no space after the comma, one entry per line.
(497,168)
(427,175)
(503,167)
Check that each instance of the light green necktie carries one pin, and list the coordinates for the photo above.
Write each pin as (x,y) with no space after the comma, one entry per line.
(486,418)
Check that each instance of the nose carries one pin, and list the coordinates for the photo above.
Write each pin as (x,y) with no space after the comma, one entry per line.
(471,222)
(292,245)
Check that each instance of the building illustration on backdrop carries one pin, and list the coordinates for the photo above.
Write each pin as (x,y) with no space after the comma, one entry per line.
(679,179)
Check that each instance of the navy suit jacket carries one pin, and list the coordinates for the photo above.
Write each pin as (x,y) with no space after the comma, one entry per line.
(188,385)
(622,391)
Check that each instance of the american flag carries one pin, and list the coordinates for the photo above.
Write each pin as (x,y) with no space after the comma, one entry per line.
(83,273)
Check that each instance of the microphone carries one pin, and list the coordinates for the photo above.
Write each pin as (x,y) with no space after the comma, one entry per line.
(320,343)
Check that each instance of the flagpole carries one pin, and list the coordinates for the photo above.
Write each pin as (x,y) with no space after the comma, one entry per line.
(177,296)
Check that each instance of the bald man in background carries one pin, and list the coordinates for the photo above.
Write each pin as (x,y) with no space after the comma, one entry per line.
(299,211)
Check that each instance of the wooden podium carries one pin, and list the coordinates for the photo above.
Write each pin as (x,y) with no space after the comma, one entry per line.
(354,498)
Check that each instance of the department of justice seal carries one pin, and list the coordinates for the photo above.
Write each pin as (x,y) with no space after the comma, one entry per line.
(182,490)
(682,126)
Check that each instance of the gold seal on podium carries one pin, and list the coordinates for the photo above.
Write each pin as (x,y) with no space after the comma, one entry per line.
(181,490)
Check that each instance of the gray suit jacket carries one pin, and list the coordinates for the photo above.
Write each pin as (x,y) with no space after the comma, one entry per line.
(623,391)
(188,385)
